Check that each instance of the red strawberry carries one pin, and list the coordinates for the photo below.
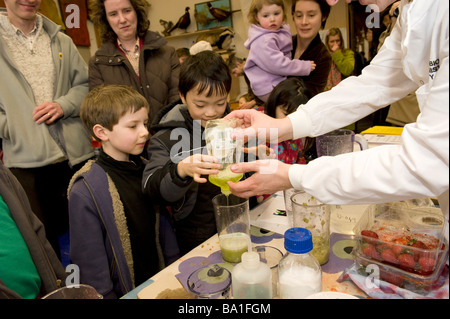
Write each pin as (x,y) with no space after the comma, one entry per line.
(389,256)
(419,251)
(419,244)
(397,249)
(369,233)
(427,264)
(393,278)
(406,261)
(370,252)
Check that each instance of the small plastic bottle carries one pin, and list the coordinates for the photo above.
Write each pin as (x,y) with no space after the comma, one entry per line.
(299,272)
(251,278)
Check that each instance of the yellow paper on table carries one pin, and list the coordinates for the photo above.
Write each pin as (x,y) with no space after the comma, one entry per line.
(384,130)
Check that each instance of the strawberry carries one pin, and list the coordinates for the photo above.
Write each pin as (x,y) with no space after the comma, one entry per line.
(419,251)
(426,264)
(393,278)
(406,261)
(419,244)
(370,251)
(389,256)
(397,249)
(369,233)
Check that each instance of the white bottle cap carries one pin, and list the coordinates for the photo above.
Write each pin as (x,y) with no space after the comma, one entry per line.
(250,260)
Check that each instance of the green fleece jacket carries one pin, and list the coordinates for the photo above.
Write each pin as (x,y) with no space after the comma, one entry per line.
(25,143)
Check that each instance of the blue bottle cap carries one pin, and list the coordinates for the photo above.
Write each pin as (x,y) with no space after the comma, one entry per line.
(298,240)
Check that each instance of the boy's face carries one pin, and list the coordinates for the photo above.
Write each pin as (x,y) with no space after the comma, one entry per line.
(204,108)
(128,136)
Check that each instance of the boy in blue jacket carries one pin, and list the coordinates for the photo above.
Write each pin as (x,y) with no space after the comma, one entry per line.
(113,238)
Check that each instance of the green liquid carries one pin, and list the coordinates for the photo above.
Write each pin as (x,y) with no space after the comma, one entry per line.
(233,246)
(223,177)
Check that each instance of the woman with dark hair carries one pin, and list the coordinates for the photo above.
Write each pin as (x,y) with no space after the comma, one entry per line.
(309,17)
(133,55)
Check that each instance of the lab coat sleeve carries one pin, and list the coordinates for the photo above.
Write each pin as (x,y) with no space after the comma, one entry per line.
(416,168)
(380,84)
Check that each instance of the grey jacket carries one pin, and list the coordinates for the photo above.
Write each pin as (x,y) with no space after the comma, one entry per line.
(26,144)
(47,263)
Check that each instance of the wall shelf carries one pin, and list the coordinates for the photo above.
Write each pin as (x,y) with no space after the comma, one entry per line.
(197,33)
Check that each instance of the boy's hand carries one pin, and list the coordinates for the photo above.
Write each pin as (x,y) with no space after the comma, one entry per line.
(197,165)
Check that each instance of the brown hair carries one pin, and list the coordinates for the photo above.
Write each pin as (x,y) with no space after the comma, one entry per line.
(257,5)
(106,104)
(98,16)
(333,32)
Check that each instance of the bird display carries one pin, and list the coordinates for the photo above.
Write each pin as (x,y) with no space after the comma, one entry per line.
(218,13)
(183,22)
(167,25)
(202,18)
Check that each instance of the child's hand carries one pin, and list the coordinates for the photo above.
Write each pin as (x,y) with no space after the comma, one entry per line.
(313,65)
(197,165)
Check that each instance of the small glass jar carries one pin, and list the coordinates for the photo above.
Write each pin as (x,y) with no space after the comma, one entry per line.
(299,272)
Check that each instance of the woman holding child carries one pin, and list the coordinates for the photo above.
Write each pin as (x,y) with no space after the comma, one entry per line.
(309,17)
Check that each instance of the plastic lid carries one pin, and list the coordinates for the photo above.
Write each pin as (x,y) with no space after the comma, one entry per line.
(298,240)
(250,260)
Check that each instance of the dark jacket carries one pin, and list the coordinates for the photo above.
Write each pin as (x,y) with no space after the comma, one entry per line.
(159,70)
(49,267)
(176,138)
(316,81)
(97,219)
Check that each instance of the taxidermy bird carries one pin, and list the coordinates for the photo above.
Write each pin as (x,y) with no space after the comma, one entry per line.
(218,13)
(166,25)
(202,18)
(183,22)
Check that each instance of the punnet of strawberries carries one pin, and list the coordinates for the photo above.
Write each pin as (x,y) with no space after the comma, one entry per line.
(412,252)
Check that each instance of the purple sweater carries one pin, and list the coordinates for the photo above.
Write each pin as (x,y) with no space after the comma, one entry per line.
(269,61)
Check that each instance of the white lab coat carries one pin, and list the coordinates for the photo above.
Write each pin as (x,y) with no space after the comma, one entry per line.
(413,57)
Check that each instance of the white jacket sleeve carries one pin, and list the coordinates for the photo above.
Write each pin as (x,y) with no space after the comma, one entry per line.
(416,168)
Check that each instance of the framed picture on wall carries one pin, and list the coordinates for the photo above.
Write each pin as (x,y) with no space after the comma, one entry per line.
(212,14)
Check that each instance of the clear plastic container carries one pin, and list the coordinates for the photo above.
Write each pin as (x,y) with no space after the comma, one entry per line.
(313,215)
(251,279)
(299,272)
(406,244)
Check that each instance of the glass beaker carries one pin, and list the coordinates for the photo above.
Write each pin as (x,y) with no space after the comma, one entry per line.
(233,226)
(313,215)
(227,151)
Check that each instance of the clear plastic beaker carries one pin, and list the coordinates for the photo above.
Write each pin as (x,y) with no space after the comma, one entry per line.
(227,151)
(313,215)
(233,226)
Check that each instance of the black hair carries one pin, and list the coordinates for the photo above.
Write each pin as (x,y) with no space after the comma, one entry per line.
(205,70)
(289,93)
